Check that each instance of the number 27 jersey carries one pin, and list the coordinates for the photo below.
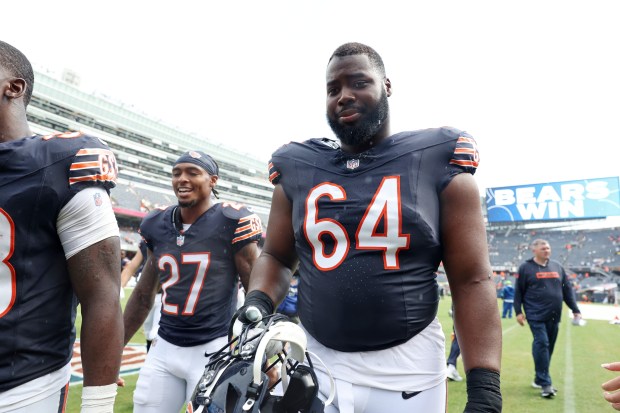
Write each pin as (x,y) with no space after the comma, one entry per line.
(367,232)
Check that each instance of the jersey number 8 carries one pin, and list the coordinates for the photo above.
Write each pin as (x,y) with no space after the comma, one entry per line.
(7,272)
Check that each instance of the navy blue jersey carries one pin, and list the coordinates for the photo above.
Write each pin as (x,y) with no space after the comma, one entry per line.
(197,269)
(367,232)
(38,176)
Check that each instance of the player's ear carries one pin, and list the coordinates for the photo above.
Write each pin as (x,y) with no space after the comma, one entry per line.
(14,88)
(388,87)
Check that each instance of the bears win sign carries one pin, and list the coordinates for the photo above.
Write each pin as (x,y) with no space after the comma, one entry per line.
(587,198)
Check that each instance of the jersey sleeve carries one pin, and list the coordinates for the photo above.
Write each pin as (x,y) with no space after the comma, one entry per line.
(465,157)
(85,220)
(248,226)
(274,173)
(93,163)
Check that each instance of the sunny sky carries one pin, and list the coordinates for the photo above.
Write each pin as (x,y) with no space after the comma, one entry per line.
(537,83)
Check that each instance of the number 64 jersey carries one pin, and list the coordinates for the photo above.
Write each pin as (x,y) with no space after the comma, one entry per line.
(367,233)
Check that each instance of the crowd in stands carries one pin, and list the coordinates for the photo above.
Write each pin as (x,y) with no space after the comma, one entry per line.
(587,248)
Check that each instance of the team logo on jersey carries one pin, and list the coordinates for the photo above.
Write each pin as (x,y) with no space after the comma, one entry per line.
(180,240)
(353,163)
(98,199)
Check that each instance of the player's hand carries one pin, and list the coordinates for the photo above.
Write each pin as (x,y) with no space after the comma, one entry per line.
(521,319)
(120,382)
(257,305)
(612,386)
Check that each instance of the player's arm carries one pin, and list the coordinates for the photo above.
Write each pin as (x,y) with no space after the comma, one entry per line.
(244,261)
(130,269)
(95,277)
(468,269)
(271,273)
(142,298)
(476,316)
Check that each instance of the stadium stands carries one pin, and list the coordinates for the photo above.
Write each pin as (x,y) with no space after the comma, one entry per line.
(592,248)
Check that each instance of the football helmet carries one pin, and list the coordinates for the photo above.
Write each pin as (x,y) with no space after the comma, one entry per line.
(235,379)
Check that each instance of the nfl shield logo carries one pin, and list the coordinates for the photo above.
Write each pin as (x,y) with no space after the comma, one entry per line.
(180,240)
(353,163)
(97,198)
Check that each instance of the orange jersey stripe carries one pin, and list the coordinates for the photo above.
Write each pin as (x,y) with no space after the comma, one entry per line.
(243,228)
(465,139)
(242,237)
(464,163)
(84,165)
(97,177)
(273,176)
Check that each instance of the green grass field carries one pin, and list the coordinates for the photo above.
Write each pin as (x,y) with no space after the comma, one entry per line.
(575,368)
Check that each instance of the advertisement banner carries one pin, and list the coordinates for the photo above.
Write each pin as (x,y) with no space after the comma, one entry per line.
(587,198)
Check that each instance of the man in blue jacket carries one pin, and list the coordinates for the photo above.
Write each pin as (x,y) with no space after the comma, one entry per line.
(542,285)
(508,295)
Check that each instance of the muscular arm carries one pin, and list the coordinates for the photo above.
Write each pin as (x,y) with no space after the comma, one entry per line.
(272,270)
(130,269)
(141,299)
(95,276)
(466,260)
(244,261)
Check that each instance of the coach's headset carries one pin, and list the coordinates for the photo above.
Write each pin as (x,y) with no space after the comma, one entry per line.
(235,379)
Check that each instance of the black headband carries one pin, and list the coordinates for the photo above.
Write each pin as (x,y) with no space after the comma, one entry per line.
(201,159)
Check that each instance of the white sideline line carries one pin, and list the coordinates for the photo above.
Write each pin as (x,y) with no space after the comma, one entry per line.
(568,393)
(504,332)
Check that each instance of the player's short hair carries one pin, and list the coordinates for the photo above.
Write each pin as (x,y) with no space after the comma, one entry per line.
(353,48)
(18,65)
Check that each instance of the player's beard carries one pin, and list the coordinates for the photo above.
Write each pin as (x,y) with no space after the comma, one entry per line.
(367,127)
(188,204)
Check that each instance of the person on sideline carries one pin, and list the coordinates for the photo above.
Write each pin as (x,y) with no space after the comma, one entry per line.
(542,285)
(369,219)
(59,245)
(508,297)
(197,250)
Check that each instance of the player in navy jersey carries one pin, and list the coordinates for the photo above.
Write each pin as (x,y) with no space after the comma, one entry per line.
(59,245)
(197,250)
(368,220)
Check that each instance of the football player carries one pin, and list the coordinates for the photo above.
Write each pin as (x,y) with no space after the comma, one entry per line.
(197,250)
(59,245)
(369,219)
